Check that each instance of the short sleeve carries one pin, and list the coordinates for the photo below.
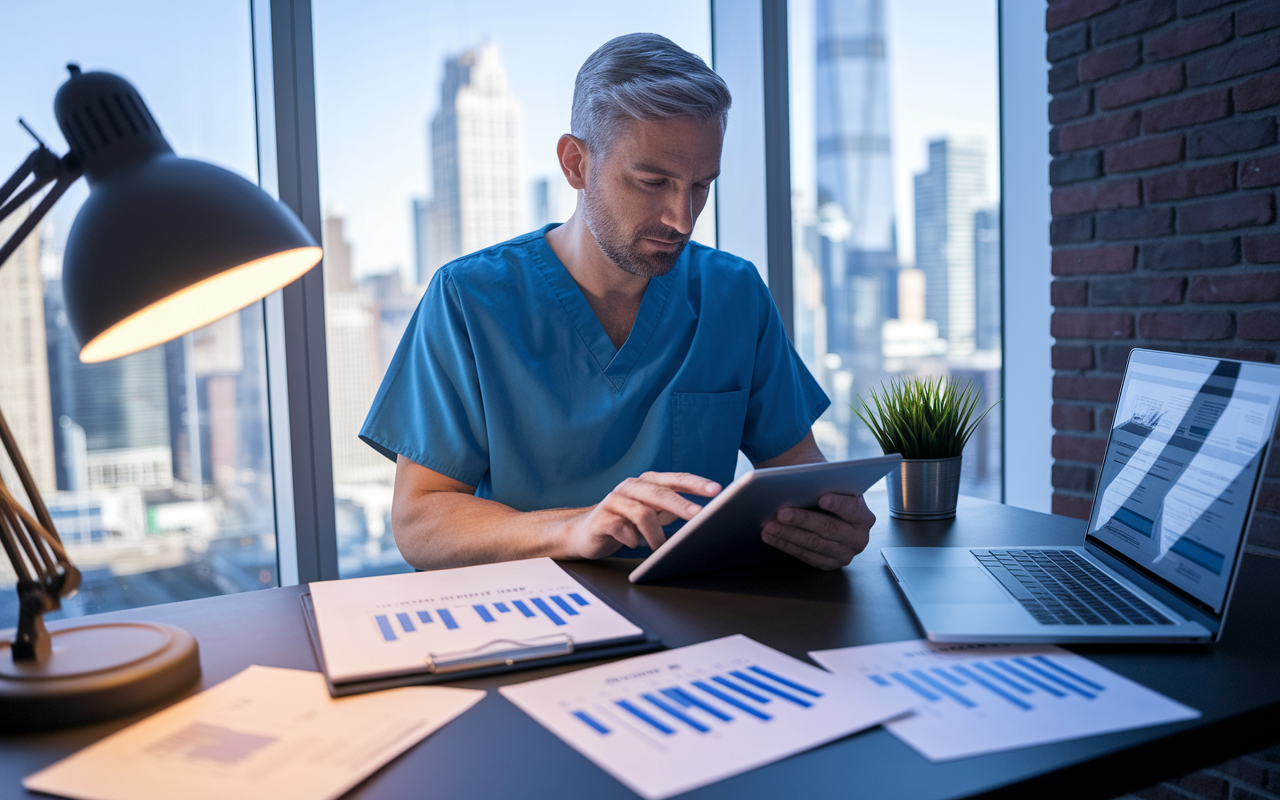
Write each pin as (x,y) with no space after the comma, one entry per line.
(428,408)
(785,399)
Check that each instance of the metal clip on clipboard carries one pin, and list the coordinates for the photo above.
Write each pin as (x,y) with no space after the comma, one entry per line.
(500,651)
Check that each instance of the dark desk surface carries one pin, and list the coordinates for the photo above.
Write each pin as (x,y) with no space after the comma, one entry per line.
(1236,683)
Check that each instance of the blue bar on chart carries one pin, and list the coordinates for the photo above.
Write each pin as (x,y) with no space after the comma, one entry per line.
(577,598)
(523,609)
(640,715)
(447,618)
(406,623)
(424,617)
(1022,676)
(1069,673)
(502,608)
(1017,681)
(742,676)
(388,633)
(483,612)
(592,722)
(685,718)
(733,701)
(568,609)
(546,609)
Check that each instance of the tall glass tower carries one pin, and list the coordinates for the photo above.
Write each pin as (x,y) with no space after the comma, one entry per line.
(854,174)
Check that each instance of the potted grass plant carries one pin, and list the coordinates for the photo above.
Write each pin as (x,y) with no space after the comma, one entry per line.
(928,421)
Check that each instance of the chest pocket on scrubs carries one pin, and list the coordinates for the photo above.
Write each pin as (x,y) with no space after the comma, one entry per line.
(706,433)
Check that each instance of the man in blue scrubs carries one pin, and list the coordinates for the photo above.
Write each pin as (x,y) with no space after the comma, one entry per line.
(556,394)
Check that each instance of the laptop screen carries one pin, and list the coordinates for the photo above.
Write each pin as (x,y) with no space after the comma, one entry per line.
(1182,464)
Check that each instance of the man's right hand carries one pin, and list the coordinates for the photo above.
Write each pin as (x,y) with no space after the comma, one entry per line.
(635,512)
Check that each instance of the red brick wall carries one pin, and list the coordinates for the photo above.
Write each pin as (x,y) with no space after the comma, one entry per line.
(1165,172)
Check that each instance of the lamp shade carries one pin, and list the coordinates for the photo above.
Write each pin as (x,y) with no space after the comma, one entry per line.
(163,245)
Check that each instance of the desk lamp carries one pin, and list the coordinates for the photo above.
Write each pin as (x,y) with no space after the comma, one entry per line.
(163,246)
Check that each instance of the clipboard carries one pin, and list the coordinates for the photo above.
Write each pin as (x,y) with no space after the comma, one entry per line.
(495,658)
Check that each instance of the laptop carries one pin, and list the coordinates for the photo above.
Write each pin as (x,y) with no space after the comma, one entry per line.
(1160,555)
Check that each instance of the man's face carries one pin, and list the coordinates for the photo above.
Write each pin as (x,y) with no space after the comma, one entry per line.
(642,199)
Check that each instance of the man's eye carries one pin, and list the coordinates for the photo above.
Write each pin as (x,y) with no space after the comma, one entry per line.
(658,182)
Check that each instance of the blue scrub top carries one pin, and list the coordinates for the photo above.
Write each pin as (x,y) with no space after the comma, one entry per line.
(505,380)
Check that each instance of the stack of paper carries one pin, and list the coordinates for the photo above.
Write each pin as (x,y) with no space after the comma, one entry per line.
(971,699)
(265,733)
(670,722)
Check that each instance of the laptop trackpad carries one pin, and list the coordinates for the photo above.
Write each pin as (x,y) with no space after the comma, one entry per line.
(952,585)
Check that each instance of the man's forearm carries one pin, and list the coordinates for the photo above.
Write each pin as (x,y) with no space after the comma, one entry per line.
(436,530)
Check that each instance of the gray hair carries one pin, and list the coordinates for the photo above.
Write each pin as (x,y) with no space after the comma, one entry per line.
(642,76)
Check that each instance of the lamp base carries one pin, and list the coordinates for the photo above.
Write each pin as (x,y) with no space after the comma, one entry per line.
(96,672)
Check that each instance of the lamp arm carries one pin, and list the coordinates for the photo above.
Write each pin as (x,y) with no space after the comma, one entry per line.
(43,167)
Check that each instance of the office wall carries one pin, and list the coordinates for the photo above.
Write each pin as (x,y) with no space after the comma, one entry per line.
(1165,171)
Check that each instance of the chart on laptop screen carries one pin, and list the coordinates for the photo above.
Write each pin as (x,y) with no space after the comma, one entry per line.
(1180,468)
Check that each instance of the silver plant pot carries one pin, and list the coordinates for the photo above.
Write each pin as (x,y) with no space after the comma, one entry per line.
(924,488)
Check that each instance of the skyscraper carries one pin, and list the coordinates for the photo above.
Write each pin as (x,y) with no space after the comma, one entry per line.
(24,370)
(986,257)
(855,176)
(477,190)
(422,270)
(947,196)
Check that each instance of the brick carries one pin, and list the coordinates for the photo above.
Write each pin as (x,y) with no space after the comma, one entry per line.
(1062,13)
(1194,182)
(1067,43)
(1079,448)
(1264,539)
(1144,85)
(1094,197)
(1063,77)
(1203,107)
(1188,38)
(1069,293)
(1107,416)
(1132,18)
(1186,325)
(1072,418)
(1231,62)
(1102,130)
(1190,7)
(1053,141)
(1071,230)
(1259,325)
(1237,211)
(1064,357)
(1261,91)
(1255,172)
(1206,785)
(1137,291)
(1071,387)
(1190,254)
(1256,287)
(1145,153)
(1091,325)
(1073,478)
(1134,223)
(1259,15)
(1262,249)
(1075,167)
(1095,260)
(1269,500)
(1111,61)
(1070,106)
(1113,358)
(1233,136)
(1078,507)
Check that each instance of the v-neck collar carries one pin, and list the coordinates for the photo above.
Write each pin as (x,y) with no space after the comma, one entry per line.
(615,363)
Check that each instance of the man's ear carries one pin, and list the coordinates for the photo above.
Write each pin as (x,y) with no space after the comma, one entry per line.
(573,156)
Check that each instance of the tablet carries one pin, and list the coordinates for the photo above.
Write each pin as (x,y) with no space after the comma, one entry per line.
(726,533)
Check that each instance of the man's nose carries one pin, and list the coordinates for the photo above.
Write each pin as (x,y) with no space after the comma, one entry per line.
(679,211)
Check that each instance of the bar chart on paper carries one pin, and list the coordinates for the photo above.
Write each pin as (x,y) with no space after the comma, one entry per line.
(670,722)
(973,699)
(388,624)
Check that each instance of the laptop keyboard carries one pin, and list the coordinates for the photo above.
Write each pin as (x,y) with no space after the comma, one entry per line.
(1059,587)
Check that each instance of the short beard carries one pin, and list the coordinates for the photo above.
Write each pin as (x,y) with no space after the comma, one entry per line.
(626,255)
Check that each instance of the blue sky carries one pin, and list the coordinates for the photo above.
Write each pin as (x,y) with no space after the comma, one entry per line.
(378,67)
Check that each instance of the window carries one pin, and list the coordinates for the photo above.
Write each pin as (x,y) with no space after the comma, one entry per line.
(896,207)
(156,467)
(438,124)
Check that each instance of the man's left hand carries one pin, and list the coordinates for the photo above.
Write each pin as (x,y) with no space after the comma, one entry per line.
(826,539)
